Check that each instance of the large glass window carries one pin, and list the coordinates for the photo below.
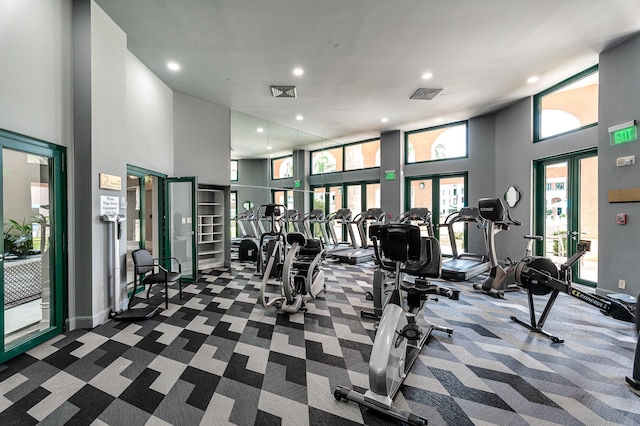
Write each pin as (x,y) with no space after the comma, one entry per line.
(234,170)
(567,106)
(362,155)
(283,197)
(326,161)
(282,168)
(436,143)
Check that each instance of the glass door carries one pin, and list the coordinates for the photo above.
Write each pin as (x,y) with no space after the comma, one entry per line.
(182,218)
(566,210)
(32,261)
(354,203)
(442,195)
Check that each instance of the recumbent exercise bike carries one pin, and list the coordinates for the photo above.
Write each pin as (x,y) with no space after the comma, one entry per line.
(399,338)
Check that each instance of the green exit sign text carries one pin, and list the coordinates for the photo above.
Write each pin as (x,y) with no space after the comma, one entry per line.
(390,174)
(623,133)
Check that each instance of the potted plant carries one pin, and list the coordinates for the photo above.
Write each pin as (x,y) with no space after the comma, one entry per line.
(18,238)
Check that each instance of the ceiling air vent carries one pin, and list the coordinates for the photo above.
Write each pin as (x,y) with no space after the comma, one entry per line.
(425,94)
(283,91)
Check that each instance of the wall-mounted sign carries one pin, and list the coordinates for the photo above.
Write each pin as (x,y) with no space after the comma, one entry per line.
(626,195)
(109,206)
(110,182)
(390,174)
(623,133)
(297,183)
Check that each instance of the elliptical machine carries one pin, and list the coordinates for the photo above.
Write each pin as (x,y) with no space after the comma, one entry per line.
(399,338)
(499,280)
(272,241)
(540,276)
(302,274)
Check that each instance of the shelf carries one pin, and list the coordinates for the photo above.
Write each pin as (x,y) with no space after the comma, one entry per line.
(211,227)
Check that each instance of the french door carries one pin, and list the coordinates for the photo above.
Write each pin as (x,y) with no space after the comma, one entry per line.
(181,224)
(442,195)
(566,210)
(32,259)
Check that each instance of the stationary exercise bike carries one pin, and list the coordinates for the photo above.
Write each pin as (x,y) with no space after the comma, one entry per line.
(399,338)
(497,219)
(540,276)
(302,275)
(383,278)
(634,380)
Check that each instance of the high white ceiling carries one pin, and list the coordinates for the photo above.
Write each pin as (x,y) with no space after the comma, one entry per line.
(362,59)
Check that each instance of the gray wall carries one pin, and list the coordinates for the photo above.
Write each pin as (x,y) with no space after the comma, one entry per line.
(391,191)
(619,102)
(480,166)
(514,156)
(201,134)
(252,185)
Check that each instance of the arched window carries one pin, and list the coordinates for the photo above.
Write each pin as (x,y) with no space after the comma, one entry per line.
(324,162)
(437,143)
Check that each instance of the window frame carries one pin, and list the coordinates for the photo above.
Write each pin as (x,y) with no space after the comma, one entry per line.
(273,169)
(343,165)
(237,171)
(537,104)
(344,156)
(428,129)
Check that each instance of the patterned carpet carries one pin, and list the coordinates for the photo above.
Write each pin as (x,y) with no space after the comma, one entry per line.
(217,357)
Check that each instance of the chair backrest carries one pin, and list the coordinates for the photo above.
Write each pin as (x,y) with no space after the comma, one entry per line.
(144,258)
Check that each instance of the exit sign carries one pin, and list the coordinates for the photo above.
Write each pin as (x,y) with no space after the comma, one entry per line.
(390,174)
(623,133)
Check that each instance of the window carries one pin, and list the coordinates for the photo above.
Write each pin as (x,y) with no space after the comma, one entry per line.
(363,155)
(436,143)
(568,106)
(234,170)
(282,168)
(326,161)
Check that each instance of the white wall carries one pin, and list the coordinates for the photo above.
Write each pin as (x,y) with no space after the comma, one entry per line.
(149,114)
(202,138)
(35,83)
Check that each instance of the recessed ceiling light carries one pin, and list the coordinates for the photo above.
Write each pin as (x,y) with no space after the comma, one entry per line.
(438,120)
(268,146)
(299,117)
(173,66)
(298,71)
(533,79)
(384,119)
(260,130)
(427,76)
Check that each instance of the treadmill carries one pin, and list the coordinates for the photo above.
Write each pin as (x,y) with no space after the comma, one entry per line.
(374,216)
(464,266)
(334,247)
(309,222)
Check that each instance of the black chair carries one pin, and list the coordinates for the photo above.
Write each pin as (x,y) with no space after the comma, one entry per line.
(153,273)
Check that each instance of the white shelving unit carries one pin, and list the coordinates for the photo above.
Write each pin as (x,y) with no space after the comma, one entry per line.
(211,229)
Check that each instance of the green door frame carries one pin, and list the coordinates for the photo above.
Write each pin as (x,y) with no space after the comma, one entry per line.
(343,188)
(58,239)
(140,173)
(573,191)
(435,197)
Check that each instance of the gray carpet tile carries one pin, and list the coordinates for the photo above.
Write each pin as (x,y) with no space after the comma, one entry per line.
(217,357)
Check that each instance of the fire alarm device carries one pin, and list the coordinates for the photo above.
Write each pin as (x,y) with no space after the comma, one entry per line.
(621,219)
